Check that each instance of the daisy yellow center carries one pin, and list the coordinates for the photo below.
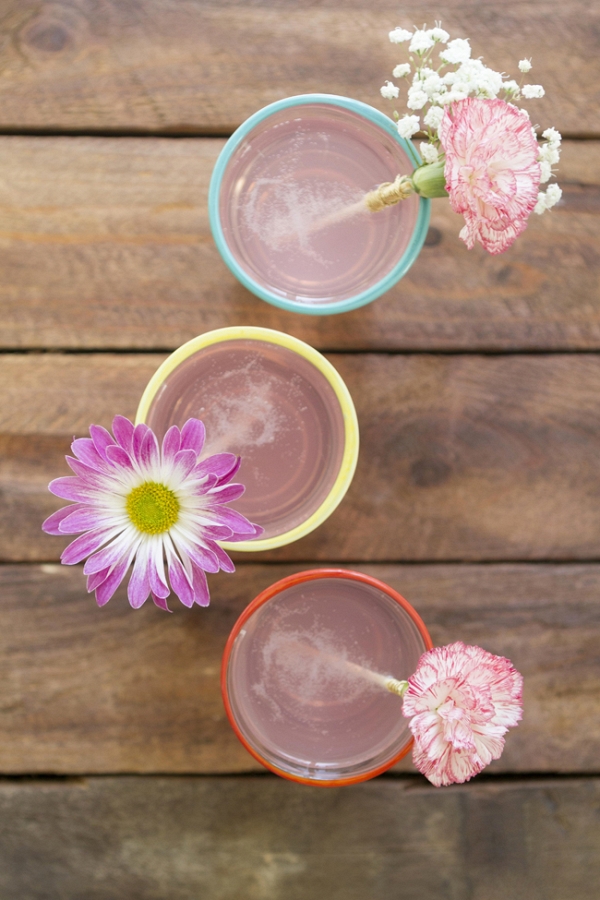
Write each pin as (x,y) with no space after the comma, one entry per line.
(152,507)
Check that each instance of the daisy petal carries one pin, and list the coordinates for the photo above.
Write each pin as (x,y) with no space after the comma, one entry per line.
(138,588)
(83,546)
(200,584)
(224,561)
(107,588)
(220,465)
(101,438)
(84,449)
(123,432)
(51,525)
(228,493)
(119,457)
(193,435)
(70,488)
(171,444)
(85,518)
(180,582)
(161,603)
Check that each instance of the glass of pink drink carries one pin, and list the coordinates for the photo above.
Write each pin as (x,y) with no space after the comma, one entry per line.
(281,406)
(280,196)
(295,676)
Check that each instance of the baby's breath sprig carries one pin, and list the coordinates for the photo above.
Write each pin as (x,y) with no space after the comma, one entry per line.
(457,76)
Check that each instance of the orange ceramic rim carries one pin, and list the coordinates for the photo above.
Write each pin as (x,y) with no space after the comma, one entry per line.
(264,597)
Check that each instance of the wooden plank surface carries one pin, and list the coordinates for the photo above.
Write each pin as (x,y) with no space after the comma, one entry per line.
(263,839)
(200,67)
(105,243)
(84,690)
(462,457)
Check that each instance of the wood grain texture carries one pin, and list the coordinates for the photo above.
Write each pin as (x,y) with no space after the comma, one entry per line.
(84,690)
(202,67)
(105,243)
(263,839)
(462,457)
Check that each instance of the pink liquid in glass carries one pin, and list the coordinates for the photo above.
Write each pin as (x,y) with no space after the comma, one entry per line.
(294,699)
(298,168)
(273,408)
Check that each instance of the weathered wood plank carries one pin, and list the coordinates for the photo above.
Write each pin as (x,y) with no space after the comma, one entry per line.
(192,66)
(264,839)
(462,457)
(105,243)
(84,690)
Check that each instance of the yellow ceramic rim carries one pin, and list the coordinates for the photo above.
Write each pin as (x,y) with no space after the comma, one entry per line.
(351,438)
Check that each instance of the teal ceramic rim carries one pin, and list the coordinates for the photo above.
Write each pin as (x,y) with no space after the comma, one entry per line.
(380,287)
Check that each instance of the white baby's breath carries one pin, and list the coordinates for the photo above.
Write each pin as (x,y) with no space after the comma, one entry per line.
(457,51)
(408,125)
(389,91)
(401,70)
(439,35)
(417,98)
(400,35)
(532,91)
(433,117)
(455,77)
(421,41)
(552,135)
(547,200)
(429,153)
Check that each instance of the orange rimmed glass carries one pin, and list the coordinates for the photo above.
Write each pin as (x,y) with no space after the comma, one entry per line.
(292,679)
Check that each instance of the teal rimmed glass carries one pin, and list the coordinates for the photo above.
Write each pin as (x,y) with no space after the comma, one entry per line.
(395,240)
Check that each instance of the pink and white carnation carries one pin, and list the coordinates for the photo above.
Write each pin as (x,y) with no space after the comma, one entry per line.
(492,169)
(160,509)
(461,701)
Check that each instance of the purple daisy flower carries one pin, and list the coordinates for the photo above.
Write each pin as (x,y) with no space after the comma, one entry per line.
(160,509)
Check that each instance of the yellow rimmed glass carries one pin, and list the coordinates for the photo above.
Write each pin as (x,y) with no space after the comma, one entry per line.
(280,405)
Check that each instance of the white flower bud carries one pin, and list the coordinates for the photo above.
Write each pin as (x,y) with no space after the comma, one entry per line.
(525,65)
